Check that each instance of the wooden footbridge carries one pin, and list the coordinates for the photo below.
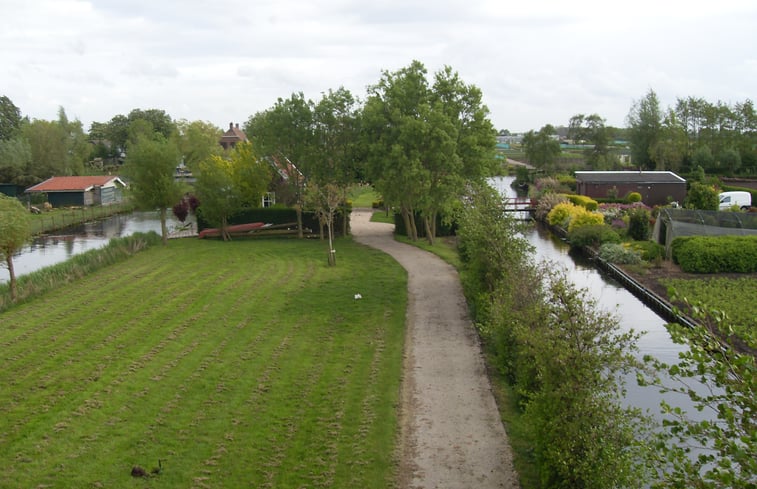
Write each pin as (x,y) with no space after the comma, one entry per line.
(523,205)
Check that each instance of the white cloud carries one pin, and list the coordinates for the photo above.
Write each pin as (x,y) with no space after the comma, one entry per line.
(536,62)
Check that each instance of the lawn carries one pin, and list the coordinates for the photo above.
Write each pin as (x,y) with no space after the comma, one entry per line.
(241,364)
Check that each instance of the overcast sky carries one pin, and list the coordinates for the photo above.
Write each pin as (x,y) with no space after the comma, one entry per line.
(537,61)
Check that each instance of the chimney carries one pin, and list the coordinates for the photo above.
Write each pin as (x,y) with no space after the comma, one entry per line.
(231,125)
(237,125)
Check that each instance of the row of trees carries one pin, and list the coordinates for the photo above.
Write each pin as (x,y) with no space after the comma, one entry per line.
(418,141)
(719,138)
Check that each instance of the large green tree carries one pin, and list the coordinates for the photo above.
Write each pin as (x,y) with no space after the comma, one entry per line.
(197,141)
(227,184)
(591,129)
(15,161)
(285,132)
(47,140)
(150,167)
(644,123)
(423,142)
(10,119)
(15,231)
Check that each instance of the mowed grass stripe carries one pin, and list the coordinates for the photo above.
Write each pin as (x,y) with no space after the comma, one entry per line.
(244,364)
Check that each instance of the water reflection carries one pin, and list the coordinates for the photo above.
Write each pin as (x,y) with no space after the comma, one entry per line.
(59,246)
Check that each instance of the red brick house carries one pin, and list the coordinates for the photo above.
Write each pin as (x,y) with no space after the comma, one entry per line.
(233,136)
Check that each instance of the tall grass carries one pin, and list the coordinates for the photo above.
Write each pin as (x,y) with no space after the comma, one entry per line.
(240,364)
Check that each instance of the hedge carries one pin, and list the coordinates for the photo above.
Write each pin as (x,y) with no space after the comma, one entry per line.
(716,254)
(586,202)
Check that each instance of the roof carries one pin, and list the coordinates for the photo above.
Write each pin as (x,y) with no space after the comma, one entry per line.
(629,177)
(286,169)
(74,184)
(234,134)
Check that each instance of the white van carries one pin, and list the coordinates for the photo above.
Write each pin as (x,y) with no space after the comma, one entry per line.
(739,198)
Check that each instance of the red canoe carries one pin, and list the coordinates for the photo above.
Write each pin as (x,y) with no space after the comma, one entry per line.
(235,229)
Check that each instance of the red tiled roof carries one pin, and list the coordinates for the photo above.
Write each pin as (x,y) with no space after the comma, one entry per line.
(64,184)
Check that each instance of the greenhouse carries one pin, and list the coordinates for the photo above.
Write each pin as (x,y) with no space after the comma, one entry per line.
(672,223)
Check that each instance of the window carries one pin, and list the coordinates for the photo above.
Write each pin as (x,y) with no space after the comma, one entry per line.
(269,199)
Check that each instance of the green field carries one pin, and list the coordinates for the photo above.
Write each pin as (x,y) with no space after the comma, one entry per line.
(241,364)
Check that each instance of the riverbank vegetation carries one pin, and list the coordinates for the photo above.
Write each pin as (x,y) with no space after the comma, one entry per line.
(267,357)
(562,357)
(54,219)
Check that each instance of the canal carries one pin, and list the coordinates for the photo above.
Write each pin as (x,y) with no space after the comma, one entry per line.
(58,246)
(611,296)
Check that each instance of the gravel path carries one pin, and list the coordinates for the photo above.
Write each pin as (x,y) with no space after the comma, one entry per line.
(451,433)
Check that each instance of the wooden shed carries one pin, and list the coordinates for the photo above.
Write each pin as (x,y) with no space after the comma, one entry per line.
(655,187)
(80,191)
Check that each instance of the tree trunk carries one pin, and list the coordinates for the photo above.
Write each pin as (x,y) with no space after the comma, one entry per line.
(12,273)
(406,219)
(413,233)
(332,251)
(225,230)
(298,208)
(429,230)
(163,227)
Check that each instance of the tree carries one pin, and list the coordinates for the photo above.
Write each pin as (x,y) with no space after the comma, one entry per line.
(701,196)
(47,140)
(644,122)
(331,166)
(150,167)
(730,160)
(15,231)
(197,140)
(591,129)
(424,143)
(225,185)
(78,148)
(726,438)
(285,132)
(10,119)
(15,160)
(541,148)
(669,149)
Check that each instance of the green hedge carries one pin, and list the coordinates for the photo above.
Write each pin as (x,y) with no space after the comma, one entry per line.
(716,254)
(592,235)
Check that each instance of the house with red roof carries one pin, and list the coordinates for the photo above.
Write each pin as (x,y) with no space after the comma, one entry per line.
(80,191)
(233,136)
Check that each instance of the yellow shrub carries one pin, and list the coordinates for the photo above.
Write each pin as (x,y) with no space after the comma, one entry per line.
(561,213)
(585,218)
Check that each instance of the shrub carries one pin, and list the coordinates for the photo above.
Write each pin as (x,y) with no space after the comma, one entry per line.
(592,236)
(617,253)
(638,224)
(585,218)
(560,214)
(701,196)
(546,203)
(587,202)
(633,197)
(716,254)
(649,250)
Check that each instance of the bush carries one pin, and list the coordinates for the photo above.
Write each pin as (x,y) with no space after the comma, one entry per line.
(716,254)
(547,202)
(701,196)
(586,202)
(649,250)
(560,214)
(633,197)
(619,254)
(638,224)
(592,236)
(585,218)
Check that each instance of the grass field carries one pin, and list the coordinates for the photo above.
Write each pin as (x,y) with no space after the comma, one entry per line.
(241,364)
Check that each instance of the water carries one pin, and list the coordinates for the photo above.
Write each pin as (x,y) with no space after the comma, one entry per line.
(611,296)
(58,246)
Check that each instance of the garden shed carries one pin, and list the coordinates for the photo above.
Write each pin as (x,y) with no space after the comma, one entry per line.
(672,223)
(80,191)
(655,187)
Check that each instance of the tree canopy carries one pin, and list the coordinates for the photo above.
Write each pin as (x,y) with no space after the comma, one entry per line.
(150,167)
(15,231)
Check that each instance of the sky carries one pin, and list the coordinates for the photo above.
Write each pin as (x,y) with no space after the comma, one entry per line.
(536,62)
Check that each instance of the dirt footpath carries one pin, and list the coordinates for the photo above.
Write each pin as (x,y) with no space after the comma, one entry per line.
(451,432)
